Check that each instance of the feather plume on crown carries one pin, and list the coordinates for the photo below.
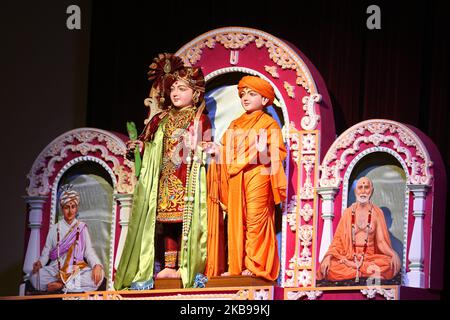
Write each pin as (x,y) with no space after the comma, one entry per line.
(164,65)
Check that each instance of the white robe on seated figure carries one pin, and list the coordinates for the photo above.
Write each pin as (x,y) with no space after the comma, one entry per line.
(83,282)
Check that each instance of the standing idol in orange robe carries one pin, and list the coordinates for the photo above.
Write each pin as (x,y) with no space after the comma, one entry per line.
(361,246)
(246,182)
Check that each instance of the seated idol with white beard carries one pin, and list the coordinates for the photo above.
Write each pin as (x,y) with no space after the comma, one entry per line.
(361,246)
(74,266)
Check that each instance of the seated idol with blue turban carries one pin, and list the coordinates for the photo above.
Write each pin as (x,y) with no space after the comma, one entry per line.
(74,266)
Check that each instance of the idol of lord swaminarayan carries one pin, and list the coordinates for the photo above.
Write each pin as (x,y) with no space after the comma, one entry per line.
(172,182)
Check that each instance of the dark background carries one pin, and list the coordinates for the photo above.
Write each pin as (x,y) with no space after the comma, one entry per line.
(96,76)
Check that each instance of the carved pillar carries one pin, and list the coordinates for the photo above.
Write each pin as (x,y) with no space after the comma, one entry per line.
(125,202)
(35,222)
(416,277)
(327,194)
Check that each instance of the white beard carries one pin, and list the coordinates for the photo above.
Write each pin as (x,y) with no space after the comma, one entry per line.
(362,199)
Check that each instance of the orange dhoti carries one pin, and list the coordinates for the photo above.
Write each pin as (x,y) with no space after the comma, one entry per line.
(377,261)
(374,265)
(251,223)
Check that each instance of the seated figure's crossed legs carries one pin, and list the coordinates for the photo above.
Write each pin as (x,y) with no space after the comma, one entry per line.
(48,280)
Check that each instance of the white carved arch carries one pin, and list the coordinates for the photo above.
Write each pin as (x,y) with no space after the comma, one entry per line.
(379,130)
(112,150)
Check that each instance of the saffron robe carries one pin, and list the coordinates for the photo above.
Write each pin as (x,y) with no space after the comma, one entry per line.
(249,180)
(342,248)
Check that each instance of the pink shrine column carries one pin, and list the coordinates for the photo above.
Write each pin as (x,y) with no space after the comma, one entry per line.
(33,253)
(327,194)
(416,277)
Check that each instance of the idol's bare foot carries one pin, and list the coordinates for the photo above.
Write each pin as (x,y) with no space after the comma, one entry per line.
(168,273)
(55,286)
(247,272)
(226,274)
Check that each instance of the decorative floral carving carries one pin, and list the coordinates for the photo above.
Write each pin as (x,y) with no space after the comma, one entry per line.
(210,43)
(292,213)
(308,143)
(289,89)
(304,278)
(311,119)
(295,146)
(305,236)
(345,140)
(235,40)
(289,283)
(307,190)
(306,233)
(287,129)
(293,264)
(370,293)
(260,42)
(306,212)
(272,70)
(280,56)
(304,262)
(126,179)
(241,295)
(305,258)
(301,81)
(311,295)
(192,55)
(261,294)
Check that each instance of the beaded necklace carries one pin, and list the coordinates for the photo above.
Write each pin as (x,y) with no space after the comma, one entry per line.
(359,261)
(74,261)
(189,194)
(192,170)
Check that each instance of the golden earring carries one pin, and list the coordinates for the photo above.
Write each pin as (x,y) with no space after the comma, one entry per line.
(195,98)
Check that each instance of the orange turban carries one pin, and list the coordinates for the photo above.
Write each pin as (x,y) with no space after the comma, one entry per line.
(259,85)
